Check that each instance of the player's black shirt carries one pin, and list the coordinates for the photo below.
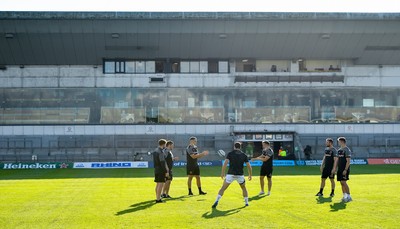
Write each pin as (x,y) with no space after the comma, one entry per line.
(343,153)
(236,160)
(270,154)
(169,159)
(330,154)
(159,160)
(191,150)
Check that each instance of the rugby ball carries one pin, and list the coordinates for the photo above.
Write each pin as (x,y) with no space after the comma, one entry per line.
(221,153)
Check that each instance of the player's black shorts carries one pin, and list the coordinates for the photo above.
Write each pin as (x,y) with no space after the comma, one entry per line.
(159,177)
(193,170)
(266,171)
(327,173)
(170,176)
(340,176)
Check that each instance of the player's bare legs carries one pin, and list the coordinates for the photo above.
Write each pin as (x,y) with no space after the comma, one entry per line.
(346,191)
(159,187)
(323,183)
(345,187)
(198,182)
(269,185)
(189,183)
(225,185)
(262,184)
(167,184)
(333,185)
(245,194)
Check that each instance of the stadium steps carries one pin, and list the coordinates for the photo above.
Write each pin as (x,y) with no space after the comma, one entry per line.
(58,155)
(24,155)
(92,154)
(108,154)
(7,155)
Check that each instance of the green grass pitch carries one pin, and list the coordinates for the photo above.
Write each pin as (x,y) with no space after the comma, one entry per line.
(124,198)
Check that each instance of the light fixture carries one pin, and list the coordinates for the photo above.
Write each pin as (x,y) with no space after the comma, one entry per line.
(115,35)
(9,35)
(325,36)
(245,60)
(222,36)
(300,60)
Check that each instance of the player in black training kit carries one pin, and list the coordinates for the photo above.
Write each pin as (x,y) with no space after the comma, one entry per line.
(267,157)
(169,158)
(328,167)
(236,159)
(192,168)
(344,155)
(161,171)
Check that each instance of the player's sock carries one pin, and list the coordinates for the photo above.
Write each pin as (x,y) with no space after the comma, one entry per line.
(269,193)
(246,201)
(218,198)
(321,190)
(190,191)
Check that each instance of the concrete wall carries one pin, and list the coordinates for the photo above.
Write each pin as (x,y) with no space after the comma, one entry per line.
(89,76)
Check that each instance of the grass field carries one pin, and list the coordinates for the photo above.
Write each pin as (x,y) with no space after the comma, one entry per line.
(124,198)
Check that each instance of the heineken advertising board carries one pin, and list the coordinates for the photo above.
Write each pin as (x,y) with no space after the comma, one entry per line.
(37,165)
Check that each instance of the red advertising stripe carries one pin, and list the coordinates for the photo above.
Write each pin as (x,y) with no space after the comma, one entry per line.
(384,161)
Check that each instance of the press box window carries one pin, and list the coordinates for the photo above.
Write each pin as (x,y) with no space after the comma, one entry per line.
(130,67)
(140,67)
(223,67)
(213,66)
(119,66)
(109,67)
(150,66)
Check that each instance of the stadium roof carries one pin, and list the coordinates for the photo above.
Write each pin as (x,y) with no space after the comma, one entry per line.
(81,38)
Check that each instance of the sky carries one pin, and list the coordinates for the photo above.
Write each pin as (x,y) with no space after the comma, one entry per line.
(357,6)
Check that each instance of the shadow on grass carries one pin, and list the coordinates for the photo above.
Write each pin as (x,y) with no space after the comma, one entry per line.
(321,200)
(257,197)
(338,206)
(146,204)
(214,213)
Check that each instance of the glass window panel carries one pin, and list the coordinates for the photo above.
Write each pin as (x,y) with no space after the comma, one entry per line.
(175,67)
(203,66)
(194,66)
(150,66)
(184,67)
(130,67)
(140,67)
(172,105)
(223,67)
(109,67)
(213,66)
(117,67)
(368,102)
(122,66)
(160,66)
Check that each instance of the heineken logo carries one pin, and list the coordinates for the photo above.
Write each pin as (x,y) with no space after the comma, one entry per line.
(35,165)
(63,166)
